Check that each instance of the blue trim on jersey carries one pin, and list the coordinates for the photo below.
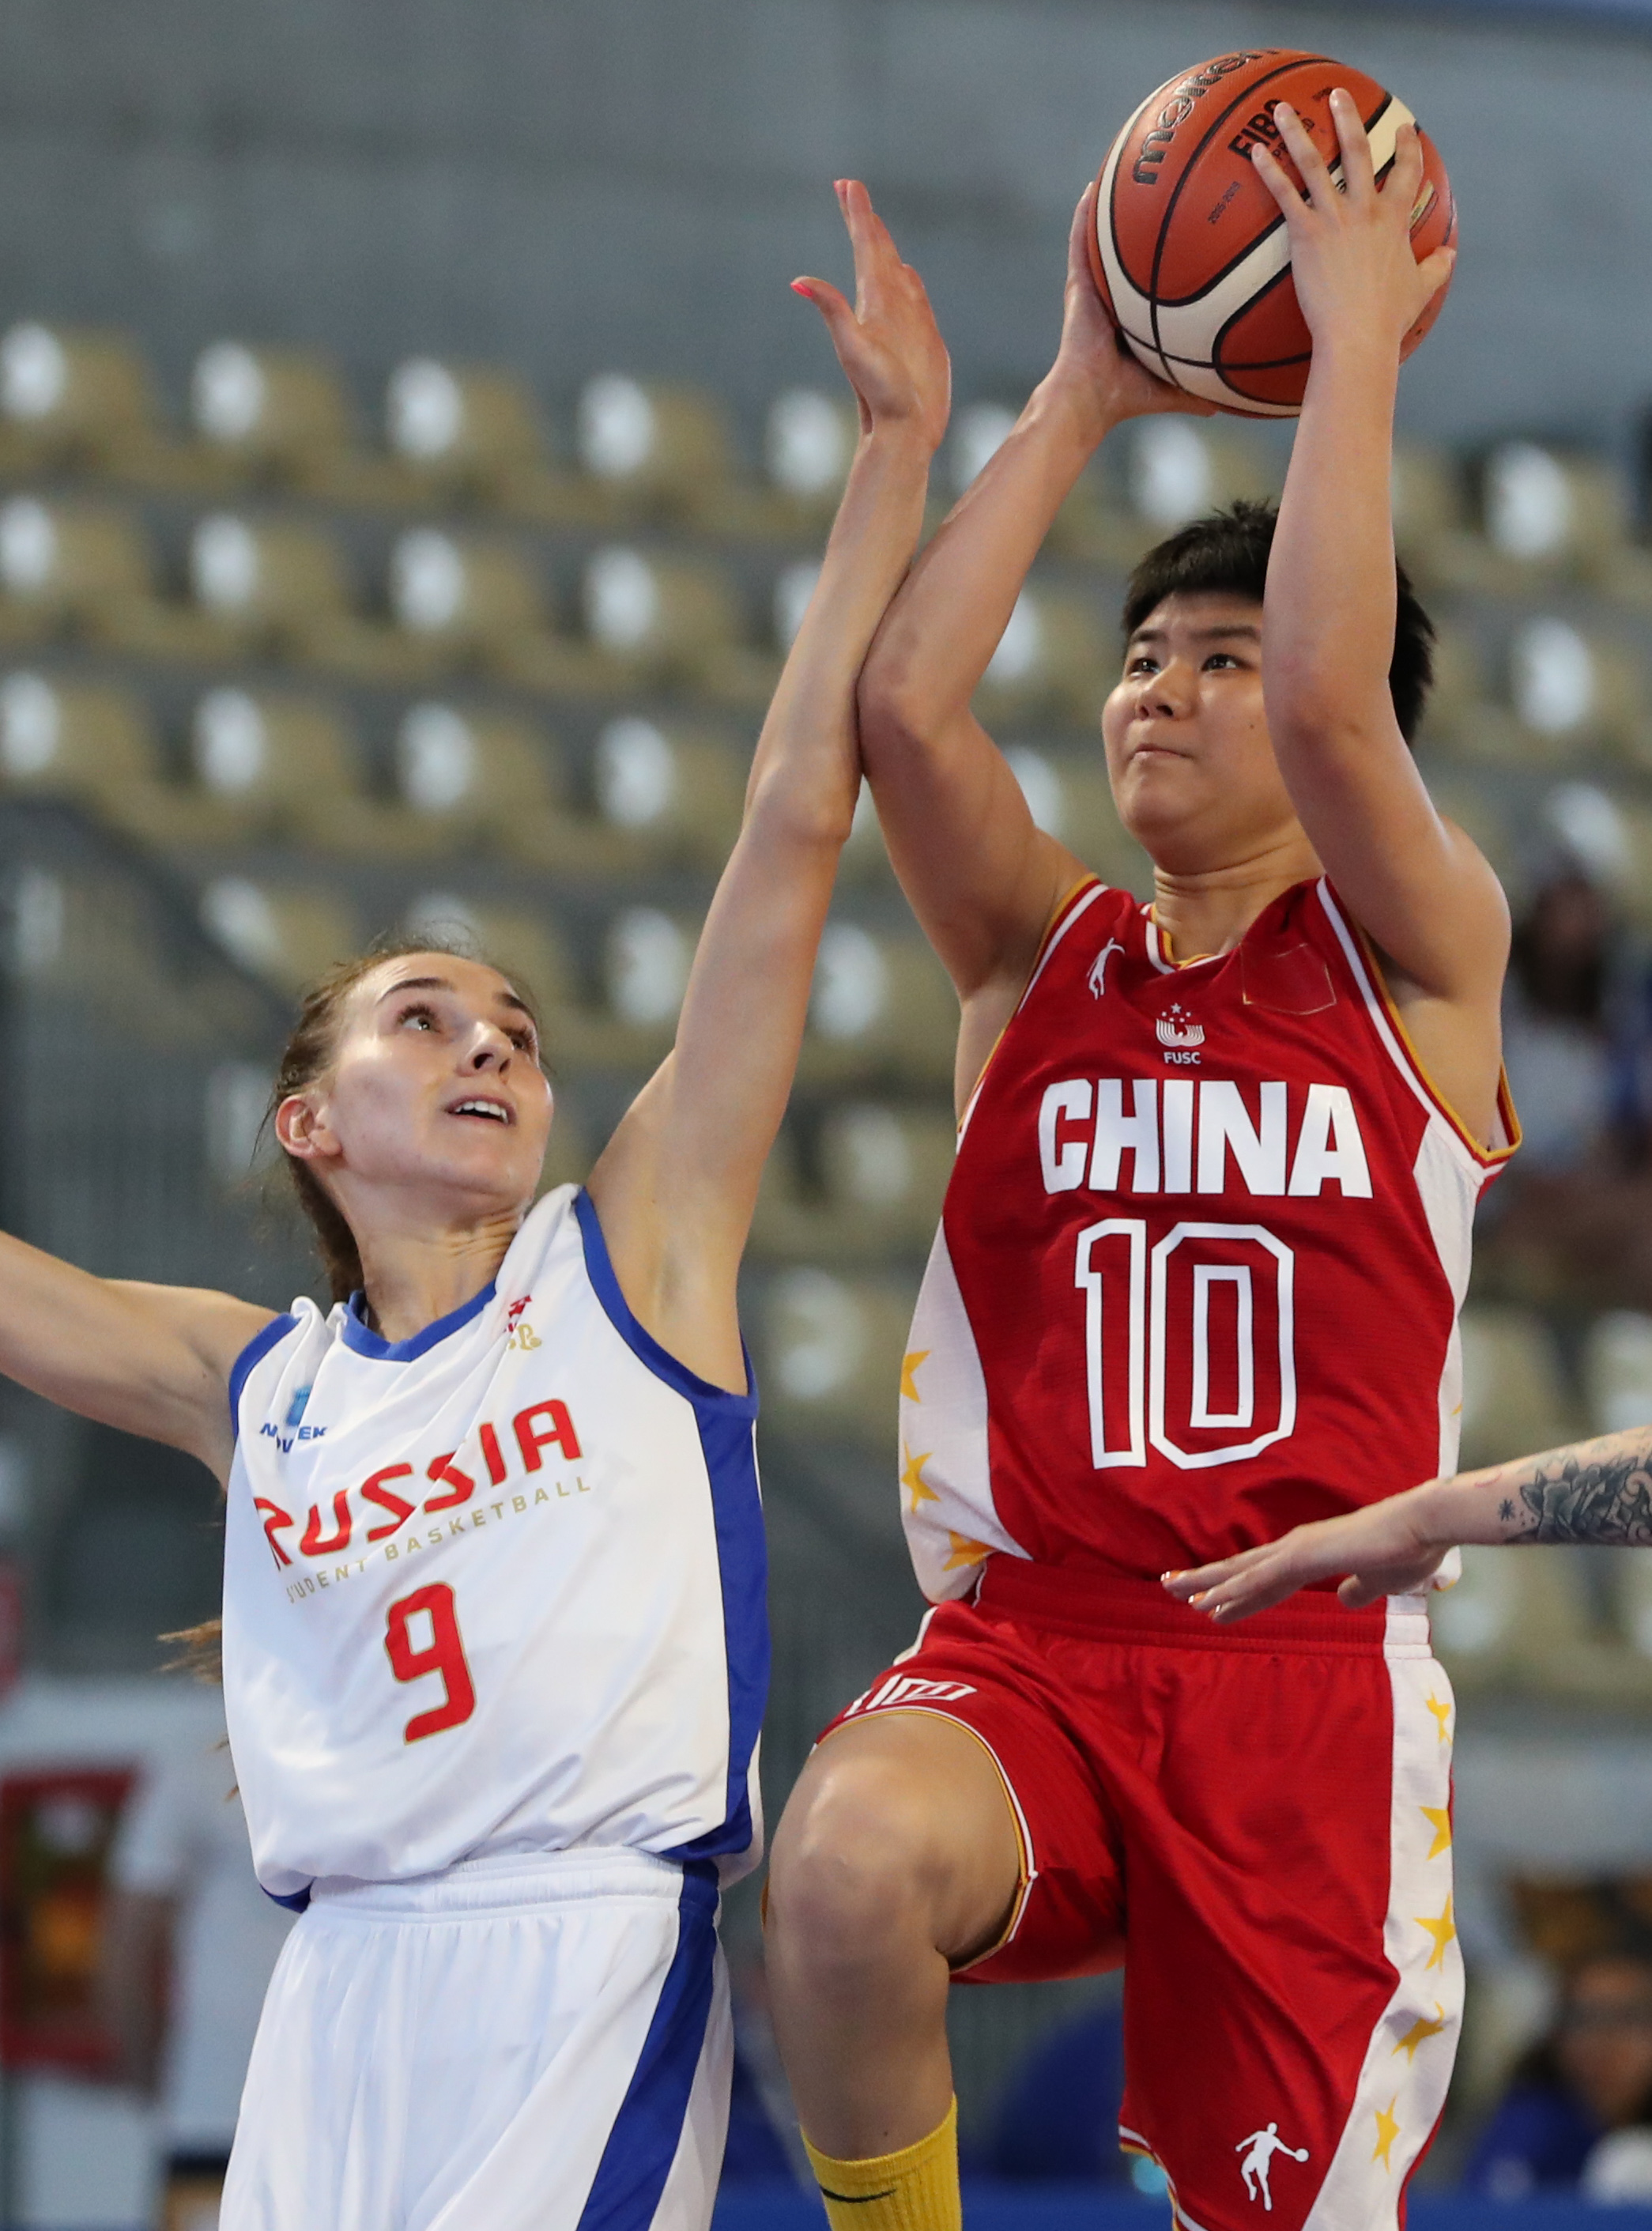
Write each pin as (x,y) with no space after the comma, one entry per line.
(643,2143)
(359,1335)
(295,1901)
(725,1422)
(250,1356)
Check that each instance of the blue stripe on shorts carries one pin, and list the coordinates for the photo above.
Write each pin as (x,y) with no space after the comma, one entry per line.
(642,2144)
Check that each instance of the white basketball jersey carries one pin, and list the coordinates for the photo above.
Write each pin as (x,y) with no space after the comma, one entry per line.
(499,1587)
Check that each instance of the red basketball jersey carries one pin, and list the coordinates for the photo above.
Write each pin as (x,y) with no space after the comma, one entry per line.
(1199,1268)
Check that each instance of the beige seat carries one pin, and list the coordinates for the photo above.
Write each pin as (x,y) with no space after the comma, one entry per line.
(829,1352)
(1520,1619)
(810,437)
(1515,1398)
(654,443)
(889,1165)
(278,410)
(880,1004)
(287,934)
(69,394)
(1545,511)
(268,580)
(463,598)
(1429,495)
(279,763)
(1577,691)
(1070,799)
(1617,1371)
(71,558)
(1179,468)
(467,428)
(665,618)
(1051,658)
(465,777)
(679,790)
(91,937)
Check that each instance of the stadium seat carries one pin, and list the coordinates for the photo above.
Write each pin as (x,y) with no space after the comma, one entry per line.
(1429,495)
(830,1350)
(1052,658)
(1071,799)
(1575,690)
(73,397)
(467,428)
(810,439)
(887,1168)
(92,936)
(95,742)
(653,442)
(279,764)
(680,792)
(880,1003)
(1514,1398)
(465,776)
(282,412)
(1547,511)
(673,620)
(1518,1620)
(479,599)
(1617,1371)
(1178,469)
(1479,811)
(287,935)
(71,558)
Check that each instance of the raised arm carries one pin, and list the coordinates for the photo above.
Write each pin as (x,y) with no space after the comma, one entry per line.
(153,1360)
(1596,1492)
(1414,882)
(677,1185)
(982,878)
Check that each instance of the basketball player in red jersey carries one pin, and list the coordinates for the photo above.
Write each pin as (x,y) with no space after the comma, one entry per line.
(1198,1279)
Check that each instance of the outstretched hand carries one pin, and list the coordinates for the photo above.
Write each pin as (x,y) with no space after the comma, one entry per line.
(1093,355)
(1384,1550)
(887,341)
(1351,245)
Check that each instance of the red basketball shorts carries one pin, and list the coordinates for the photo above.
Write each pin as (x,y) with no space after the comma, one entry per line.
(1256,1820)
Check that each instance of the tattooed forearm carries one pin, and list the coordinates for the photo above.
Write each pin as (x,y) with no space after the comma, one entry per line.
(1596,1492)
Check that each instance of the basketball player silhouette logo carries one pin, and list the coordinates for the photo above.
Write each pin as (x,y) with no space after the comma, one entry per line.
(1263,2144)
(1098,977)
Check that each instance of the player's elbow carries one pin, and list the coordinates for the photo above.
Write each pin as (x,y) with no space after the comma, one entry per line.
(808,816)
(900,708)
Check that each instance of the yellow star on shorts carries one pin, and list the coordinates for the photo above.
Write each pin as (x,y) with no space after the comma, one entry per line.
(1387,2131)
(1439,1819)
(1420,2032)
(1442,1712)
(912,1478)
(1441,1928)
(965,1552)
(909,1374)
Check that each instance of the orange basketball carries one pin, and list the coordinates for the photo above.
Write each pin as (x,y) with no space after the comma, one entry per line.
(1190,250)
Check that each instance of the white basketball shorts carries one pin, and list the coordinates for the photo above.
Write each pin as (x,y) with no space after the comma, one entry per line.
(536,2042)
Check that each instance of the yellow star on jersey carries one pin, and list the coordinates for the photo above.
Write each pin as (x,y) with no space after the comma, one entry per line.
(965,1552)
(1442,1929)
(1387,2131)
(1419,2032)
(1439,1819)
(912,1480)
(909,1374)
(1442,1712)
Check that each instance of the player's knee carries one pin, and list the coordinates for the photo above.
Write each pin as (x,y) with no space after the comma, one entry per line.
(851,1874)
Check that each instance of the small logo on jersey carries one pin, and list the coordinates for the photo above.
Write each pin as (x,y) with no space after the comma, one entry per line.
(295,1410)
(906,1689)
(1176,1027)
(522,1334)
(1097,979)
(1259,2150)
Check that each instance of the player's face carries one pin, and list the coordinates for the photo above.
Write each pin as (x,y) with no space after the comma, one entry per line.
(1189,756)
(436,1085)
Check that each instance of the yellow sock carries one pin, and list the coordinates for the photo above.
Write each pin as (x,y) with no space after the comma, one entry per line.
(913,2190)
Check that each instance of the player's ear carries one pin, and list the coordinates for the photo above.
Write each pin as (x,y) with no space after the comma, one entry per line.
(300,1129)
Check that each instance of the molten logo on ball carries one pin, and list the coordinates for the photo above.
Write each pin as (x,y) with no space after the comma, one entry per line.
(1190,251)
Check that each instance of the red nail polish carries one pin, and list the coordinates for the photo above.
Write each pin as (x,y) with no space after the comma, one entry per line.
(801,287)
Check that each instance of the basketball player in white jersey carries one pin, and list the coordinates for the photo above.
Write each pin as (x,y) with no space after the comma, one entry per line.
(494,1631)
(1268,1103)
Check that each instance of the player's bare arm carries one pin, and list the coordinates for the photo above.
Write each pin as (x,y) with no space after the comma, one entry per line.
(151,1360)
(1598,1491)
(982,879)
(678,1184)
(1414,882)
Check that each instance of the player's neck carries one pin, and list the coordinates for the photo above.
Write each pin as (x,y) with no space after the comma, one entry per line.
(415,1275)
(1208,910)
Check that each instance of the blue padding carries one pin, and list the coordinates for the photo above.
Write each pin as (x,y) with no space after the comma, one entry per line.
(1082,2207)
(642,2144)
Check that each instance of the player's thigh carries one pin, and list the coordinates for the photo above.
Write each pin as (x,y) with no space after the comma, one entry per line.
(899,1821)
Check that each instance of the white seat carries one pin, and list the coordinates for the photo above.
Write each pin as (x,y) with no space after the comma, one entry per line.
(830,1349)
(679,790)
(289,934)
(1514,1398)
(880,1002)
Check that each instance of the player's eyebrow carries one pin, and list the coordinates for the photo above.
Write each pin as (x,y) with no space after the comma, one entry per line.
(506,997)
(1245,628)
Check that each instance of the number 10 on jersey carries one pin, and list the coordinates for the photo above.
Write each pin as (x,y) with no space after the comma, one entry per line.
(1190,1344)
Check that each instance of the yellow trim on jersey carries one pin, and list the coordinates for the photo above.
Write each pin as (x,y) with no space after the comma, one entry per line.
(1495,1156)
(1062,907)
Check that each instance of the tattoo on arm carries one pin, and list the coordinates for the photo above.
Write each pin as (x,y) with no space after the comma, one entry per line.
(1599,1492)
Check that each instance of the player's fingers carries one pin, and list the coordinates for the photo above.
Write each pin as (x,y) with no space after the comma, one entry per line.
(1299,144)
(1278,181)
(1200,1579)
(1078,233)
(833,306)
(1405,179)
(1358,172)
(876,257)
(1435,269)
(1357,1591)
